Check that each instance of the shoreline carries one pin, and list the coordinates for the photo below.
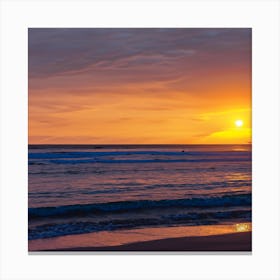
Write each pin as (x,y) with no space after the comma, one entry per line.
(237,242)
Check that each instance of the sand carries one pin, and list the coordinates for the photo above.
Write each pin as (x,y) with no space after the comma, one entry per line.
(226,242)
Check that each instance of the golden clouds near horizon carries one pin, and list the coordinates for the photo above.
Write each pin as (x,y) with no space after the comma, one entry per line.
(138,120)
(224,128)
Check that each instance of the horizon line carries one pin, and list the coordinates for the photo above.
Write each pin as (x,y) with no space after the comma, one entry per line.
(130,144)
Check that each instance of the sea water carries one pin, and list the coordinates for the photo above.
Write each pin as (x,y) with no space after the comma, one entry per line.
(77,189)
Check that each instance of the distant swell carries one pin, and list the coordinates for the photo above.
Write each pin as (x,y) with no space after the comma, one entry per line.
(135,157)
(59,155)
(123,206)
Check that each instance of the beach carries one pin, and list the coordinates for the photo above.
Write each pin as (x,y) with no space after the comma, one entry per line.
(183,238)
(235,242)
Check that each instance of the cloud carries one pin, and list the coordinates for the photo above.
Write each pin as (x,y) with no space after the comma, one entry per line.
(229,136)
(58,51)
(107,84)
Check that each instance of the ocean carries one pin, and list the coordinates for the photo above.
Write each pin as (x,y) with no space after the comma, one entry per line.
(79,189)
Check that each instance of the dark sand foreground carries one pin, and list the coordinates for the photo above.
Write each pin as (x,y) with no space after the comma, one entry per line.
(227,242)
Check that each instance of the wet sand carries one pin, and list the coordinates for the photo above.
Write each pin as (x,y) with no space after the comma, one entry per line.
(241,241)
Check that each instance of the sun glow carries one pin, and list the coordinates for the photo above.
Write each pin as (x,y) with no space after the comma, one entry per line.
(239,123)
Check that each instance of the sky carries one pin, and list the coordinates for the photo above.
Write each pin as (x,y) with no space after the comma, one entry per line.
(139,86)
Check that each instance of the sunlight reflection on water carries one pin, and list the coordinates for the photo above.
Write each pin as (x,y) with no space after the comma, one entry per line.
(243,227)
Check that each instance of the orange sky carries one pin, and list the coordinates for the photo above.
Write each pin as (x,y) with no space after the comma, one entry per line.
(139,86)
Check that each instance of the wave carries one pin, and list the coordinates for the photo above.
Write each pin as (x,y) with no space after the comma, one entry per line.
(138,205)
(192,218)
(130,187)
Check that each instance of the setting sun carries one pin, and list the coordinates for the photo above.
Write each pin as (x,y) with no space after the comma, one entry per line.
(239,123)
